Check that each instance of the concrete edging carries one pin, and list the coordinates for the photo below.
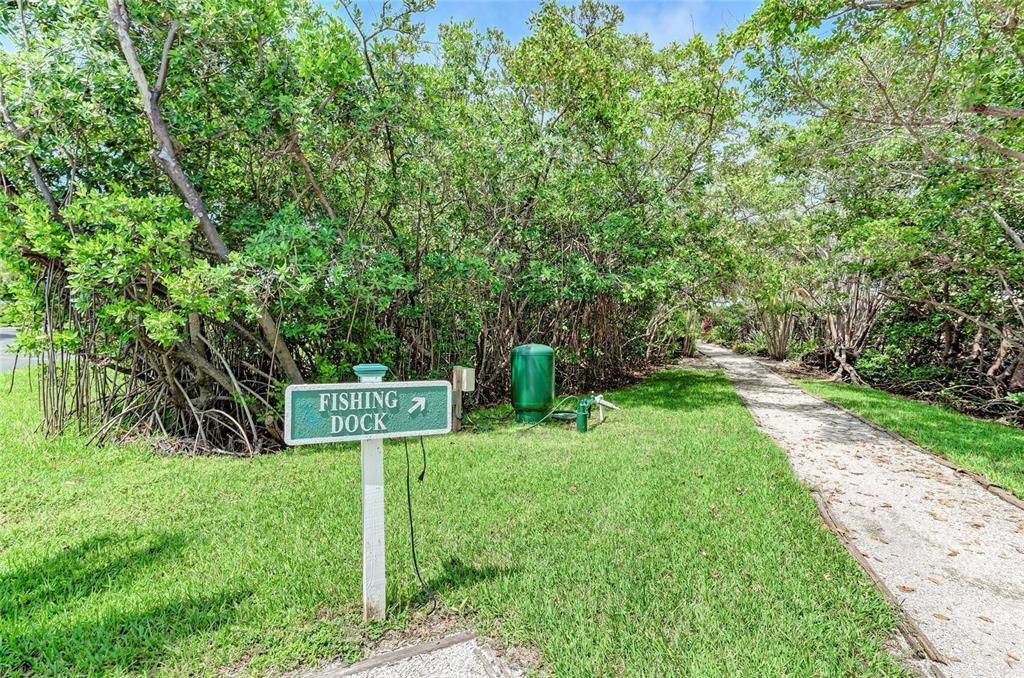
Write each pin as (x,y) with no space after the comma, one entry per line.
(404,653)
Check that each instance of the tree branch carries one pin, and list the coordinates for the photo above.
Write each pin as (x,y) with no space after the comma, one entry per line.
(1015,342)
(296,150)
(161,77)
(1001,111)
(166,157)
(991,144)
(1010,233)
(925,146)
(33,165)
(878,5)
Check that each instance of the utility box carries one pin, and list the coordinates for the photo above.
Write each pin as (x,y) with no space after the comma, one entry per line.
(533,381)
(463,381)
(466,377)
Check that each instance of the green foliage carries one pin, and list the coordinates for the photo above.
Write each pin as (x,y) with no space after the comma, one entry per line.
(756,345)
(117,250)
(730,323)
(382,198)
(879,189)
(877,366)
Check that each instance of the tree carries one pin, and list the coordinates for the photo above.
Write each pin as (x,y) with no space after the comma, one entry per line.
(204,203)
(908,123)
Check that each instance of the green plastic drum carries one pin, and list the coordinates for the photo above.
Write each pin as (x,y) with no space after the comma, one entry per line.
(533,381)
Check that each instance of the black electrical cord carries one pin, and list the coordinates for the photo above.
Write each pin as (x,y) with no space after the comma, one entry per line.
(479,421)
(483,427)
(552,411)
(490,417)
(423,471)
(412,532)
(408,501)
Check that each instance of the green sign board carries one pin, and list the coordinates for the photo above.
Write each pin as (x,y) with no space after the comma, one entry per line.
(330,413)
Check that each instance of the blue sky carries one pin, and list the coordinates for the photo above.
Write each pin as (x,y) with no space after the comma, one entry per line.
(663,20)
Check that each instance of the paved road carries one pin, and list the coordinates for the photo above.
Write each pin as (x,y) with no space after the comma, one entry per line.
(6,358)
(949,549)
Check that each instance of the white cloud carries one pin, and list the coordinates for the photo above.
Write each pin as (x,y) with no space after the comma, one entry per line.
(664,22)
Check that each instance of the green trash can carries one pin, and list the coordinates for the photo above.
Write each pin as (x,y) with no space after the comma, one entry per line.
(533,382)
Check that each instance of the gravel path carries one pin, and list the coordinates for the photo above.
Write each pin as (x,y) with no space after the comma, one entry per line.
(458,656)
(950,551)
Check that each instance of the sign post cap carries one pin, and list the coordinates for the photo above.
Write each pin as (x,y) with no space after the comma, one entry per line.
(370,370)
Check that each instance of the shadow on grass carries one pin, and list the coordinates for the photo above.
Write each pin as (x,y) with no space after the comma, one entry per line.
(54,618)
(456,575)
(679,390)
(93,566)
(116,643)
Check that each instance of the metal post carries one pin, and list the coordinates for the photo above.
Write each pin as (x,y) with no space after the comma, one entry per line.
(374,580)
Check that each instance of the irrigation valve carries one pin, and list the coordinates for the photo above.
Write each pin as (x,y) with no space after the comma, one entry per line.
(582,414)
(585,405)
(601,404)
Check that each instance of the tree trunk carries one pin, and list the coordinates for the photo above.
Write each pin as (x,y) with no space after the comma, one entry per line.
(167,158)
(1017,377)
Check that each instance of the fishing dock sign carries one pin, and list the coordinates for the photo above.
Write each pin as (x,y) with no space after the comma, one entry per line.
(330,413)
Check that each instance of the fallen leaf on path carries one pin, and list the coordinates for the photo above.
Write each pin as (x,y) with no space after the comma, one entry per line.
(953,553)
(905,588)
(936,516)
(934,580)
(939,615)
(985,619)
(977,525)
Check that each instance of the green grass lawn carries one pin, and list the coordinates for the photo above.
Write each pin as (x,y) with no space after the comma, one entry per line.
(993,450)
(673,539)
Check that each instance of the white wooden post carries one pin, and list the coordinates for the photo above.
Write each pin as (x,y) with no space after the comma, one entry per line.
(374,579)
(457,398)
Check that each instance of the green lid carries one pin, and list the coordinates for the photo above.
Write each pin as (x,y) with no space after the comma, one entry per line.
(370,370)
(533,349)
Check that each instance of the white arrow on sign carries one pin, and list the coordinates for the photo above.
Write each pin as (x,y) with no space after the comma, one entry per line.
(419,404)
